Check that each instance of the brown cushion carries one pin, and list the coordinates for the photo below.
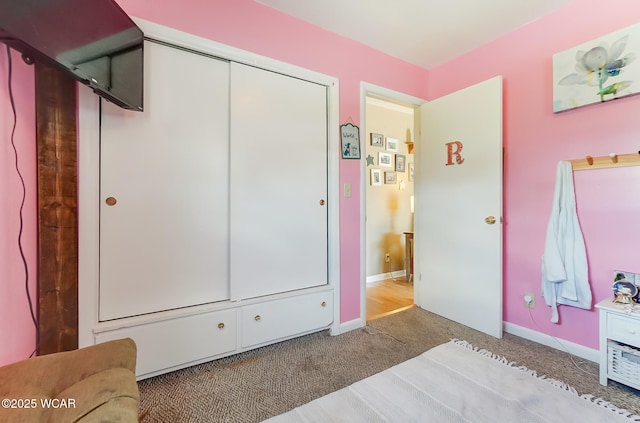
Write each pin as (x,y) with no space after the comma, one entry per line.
(85,383)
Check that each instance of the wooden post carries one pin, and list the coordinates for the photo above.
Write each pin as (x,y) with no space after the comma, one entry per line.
(56,139)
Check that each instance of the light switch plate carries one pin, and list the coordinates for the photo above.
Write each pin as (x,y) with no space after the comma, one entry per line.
(347,190)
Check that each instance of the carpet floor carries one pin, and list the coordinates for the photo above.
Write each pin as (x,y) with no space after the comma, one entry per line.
(258,384)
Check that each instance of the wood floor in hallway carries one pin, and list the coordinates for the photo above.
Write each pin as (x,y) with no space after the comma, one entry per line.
(387,297)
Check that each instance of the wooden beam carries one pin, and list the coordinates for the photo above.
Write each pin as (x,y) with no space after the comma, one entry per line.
(57,211)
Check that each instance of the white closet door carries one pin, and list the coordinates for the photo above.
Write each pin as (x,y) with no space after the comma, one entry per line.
(278,183)
(164,243)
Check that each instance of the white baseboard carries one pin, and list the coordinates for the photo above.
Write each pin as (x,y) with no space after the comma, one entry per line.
(548,340)
(383,276)
(351,325)
(526,333)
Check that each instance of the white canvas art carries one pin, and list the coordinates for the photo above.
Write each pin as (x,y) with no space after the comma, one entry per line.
(598,71)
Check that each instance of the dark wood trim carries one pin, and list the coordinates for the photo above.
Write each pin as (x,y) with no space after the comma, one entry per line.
(56,139)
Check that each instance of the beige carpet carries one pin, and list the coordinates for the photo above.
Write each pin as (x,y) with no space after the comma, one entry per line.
(262,383)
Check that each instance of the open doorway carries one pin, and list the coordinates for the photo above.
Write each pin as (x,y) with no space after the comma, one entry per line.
(388,147)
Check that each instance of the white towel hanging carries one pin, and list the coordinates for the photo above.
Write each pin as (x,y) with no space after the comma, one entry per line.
(565,278)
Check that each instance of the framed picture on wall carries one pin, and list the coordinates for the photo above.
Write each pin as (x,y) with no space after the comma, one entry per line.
(377,140)
(593,72)
(385,159)
(392,144)
(350,139)
(390,178)
(401,163)
(410,172)
(376,177)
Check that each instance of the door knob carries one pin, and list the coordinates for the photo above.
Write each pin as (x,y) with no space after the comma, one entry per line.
(111,201)
(490,220)
(322,202)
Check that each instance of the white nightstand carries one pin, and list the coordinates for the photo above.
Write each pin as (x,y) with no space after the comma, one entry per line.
(619,325)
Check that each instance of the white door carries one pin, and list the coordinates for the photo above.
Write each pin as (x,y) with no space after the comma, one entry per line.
(164,189)
(278,183)
(459,207)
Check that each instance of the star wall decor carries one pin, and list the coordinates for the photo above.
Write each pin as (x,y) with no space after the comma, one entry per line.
(402,185)
(370,160)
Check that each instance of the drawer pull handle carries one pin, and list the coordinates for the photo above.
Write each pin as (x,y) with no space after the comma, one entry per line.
(323,304)
(220,325)
(257,318)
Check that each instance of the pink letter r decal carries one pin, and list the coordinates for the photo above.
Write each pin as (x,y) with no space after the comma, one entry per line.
(451,152)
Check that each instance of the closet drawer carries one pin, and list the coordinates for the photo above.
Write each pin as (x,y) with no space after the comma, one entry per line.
(173,343)
(275,320)
(625,329)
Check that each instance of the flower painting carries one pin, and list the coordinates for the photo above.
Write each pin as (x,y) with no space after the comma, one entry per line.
(597,71)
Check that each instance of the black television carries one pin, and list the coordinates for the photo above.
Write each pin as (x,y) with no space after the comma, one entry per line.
(93,40)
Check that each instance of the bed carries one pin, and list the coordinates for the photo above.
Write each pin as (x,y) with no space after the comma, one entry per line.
(456,382)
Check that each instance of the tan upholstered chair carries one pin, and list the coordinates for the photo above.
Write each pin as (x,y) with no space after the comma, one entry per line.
(92,384)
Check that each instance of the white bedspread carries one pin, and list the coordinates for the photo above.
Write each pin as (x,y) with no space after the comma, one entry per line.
(454,382)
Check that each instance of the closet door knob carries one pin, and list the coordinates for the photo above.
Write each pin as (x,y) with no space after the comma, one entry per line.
(322,202)
(111,201)
(257,318)
(220,325)
(490,220)
(323,304)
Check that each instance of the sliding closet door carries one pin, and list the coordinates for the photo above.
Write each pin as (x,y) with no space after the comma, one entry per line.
(164,189)
(278,183)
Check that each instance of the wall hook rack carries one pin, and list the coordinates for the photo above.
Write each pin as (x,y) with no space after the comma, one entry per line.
(603,162)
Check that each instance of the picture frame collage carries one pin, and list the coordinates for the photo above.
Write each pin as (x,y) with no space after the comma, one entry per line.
(389,161)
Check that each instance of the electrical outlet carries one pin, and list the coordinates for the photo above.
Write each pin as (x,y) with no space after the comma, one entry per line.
(529,300)
(387,258)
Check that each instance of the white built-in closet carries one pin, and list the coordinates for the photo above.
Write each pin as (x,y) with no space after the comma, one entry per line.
(164,183)
(213,229)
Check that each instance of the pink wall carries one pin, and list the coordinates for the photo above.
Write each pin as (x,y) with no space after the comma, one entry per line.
(250,26)
(536,139)
(17,332)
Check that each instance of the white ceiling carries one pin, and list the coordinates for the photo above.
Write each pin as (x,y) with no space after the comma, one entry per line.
(427,33)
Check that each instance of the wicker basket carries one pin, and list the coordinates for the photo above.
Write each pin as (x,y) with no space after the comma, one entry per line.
(624,363)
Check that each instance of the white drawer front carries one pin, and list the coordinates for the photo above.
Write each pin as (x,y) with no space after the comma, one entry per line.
(624,329)
(278,319)
(174,342)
